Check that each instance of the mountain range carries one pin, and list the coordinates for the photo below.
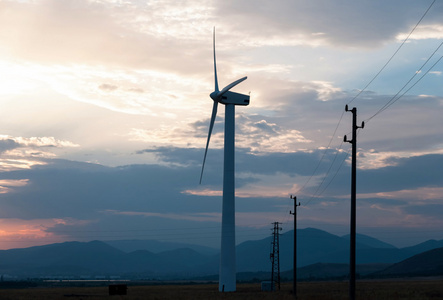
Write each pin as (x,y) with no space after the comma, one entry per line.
(319,254)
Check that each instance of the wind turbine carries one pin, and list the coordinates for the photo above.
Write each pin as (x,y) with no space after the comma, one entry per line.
(227,275)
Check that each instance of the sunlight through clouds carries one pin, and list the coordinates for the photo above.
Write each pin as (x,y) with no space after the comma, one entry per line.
(372,159)
(7,185)
(431,31)
(134,92)
(18,233)
(106,107)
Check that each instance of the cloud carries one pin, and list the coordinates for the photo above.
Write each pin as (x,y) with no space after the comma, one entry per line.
(37,142)
(89,32)
(63,189)
(430,31)
(323,22)
(7,144)
(106,113)
(417,174)
(95,196)
(252,132)
(18,233)
(433,211)
(262,136)
(20,152)
(412,172)
(263,163)
(6,186)
(199,217)
(411,195)
(108,87)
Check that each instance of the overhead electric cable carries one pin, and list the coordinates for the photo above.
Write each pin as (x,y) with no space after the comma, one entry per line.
(327,173)
(359,93)
(324,153)
(393,55)
(315,195)
(395,98)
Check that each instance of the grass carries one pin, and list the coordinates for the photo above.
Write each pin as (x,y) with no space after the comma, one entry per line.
(366,290)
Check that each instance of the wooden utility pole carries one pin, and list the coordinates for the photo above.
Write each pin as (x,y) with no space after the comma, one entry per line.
(353,200)
(294,283)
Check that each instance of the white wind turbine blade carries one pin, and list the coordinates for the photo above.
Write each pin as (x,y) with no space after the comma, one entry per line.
(230,86)
(211,125)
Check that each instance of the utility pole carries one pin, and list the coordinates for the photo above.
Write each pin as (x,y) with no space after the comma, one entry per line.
(294,283)
(353,199)
(275,257)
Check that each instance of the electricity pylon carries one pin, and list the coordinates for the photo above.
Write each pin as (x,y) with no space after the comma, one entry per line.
(275,257)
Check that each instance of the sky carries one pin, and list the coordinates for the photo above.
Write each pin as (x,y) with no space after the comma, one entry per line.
(105,112)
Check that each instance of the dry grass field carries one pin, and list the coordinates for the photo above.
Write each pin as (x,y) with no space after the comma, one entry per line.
(366,290)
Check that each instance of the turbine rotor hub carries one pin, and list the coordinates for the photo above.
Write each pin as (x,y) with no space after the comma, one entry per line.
(213,95)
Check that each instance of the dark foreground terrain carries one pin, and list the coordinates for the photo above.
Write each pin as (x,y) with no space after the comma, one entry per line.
(366,290)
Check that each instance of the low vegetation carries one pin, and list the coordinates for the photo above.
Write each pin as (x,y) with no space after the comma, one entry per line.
(366,290)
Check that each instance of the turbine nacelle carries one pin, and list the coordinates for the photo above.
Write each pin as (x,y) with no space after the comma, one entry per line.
(226,97)
(234,98)
(229,97)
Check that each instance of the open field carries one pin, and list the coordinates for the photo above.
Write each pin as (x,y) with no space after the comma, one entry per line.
(366,290)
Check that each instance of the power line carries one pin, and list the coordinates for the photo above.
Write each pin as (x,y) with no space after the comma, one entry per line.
(314,195)
(395,98)
(354,98)
(336,172)
(324,153)
(395,53)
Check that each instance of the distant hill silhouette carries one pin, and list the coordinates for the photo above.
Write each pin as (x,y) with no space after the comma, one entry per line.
(314,246)
(157,246)
(370,241)
(425,246)
(429,263)
(98,259)
(319,253)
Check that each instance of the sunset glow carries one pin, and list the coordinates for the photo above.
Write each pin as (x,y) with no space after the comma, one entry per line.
(105,113)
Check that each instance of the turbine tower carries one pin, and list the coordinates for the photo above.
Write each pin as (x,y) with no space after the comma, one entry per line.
(227,275)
